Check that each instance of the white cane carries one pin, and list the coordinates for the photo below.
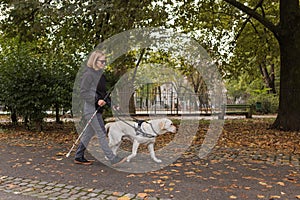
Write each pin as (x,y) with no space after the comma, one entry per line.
(87,124)
(107,95)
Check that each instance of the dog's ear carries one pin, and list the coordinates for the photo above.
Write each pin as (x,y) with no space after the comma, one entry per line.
(161,125)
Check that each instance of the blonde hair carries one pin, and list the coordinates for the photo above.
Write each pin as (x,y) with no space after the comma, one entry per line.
(93,58)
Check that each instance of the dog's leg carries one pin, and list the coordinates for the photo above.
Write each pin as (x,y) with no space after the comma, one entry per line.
(135,147)
(114,140)
(115,148)
(152,153)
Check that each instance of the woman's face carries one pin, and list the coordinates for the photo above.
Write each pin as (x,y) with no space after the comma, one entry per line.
(100,62)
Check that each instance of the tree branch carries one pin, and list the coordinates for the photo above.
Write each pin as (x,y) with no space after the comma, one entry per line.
(247,20)
(255,15)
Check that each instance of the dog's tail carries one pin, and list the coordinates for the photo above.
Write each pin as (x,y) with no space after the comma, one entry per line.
(107,126)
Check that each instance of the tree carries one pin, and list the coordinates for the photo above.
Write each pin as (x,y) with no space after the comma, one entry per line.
(74,29)
(44,68)
(256,51)
(24,84)
(287,33)
(218,18)
(63,32)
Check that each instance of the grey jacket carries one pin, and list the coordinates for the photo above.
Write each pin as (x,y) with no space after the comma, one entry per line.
(92,89)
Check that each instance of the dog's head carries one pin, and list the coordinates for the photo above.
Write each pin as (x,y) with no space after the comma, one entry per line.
(165,126)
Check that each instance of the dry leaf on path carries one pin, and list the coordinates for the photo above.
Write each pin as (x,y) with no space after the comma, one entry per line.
(142,195)
(260,196)
(124,198)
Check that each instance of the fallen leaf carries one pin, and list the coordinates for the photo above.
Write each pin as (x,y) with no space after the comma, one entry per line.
(164,177)
(60,154)
(275,197)
(124,198)
(11,186)
(17,165)
(171,184)
(281,183)
(157,181)
(263,183)
(189,173)
(149,190)
(142,195)
(116,193)
(178,164)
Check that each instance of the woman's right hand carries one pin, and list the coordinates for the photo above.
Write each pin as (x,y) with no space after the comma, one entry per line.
(101,103)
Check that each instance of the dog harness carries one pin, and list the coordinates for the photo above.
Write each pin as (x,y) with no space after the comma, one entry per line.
(139,130)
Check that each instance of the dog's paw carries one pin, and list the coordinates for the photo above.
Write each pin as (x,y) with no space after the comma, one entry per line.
(128,159)
(158,160)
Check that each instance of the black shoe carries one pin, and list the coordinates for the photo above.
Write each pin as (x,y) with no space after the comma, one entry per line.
(117,160)
(82,161)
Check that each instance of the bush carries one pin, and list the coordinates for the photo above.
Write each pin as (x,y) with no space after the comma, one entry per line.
(269,102)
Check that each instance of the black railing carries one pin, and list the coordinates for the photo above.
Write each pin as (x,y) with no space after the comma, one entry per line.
(170,102)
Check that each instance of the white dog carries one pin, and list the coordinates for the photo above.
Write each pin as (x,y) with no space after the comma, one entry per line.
(139,133)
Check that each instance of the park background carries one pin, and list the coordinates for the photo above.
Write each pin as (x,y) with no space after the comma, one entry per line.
(255,45)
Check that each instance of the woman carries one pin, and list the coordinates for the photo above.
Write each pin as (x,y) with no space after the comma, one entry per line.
(94,94)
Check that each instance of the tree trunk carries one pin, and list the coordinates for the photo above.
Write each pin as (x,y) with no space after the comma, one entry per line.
(57,118)
(13,116)
(269,78)
(288,36)
(132,109)
(289,40)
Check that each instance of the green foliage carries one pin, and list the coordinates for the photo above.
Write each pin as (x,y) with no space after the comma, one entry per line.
(252,92)
(265,102)
(61,33)
(25,84)
(32,83)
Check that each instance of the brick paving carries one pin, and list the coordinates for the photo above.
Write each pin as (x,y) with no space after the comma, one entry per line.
(223,154)
(57,191)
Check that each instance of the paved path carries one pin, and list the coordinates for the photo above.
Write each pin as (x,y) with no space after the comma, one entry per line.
(38,173)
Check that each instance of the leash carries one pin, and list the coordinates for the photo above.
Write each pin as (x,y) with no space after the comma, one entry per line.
(138,129)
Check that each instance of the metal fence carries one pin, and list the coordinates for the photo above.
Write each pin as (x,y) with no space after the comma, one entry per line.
(164,99)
